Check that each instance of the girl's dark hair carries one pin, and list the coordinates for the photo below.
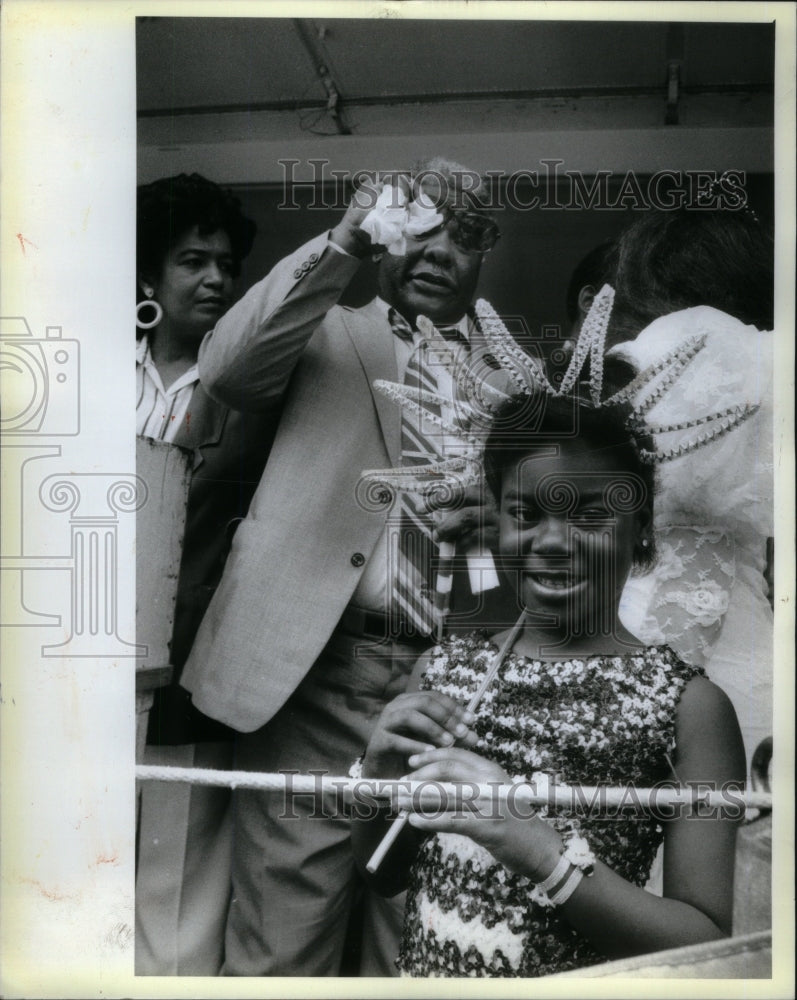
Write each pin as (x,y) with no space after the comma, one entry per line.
(525,424)
(671,260)
(170,207)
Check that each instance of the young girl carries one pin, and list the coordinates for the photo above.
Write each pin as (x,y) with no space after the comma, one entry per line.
(579,698)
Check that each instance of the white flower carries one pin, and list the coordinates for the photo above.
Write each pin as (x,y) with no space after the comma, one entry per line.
(386,221)
(578,852)
(421,217)
(706,603)
(393,218)
(539,897)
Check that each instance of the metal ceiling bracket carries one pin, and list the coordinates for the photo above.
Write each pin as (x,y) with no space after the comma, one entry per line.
(673,92)
(312,40)
(675,44)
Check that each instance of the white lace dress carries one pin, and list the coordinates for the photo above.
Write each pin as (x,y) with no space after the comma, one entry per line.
(706,597)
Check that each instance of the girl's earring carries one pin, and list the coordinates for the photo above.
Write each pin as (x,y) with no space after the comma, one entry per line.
(152,304)
(645,543)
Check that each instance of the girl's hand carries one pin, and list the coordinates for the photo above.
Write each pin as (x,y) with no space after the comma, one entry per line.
(455,764)
(412,723)
(507,829)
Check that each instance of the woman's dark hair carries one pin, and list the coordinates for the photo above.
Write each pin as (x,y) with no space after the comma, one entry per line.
(525,424)
(671,260)
(169,207)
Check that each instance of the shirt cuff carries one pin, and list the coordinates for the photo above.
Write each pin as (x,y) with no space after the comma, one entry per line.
(340,249)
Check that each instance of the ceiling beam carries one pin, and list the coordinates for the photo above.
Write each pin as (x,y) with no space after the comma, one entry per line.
(644,150)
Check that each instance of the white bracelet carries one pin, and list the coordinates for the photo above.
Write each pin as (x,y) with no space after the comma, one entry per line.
(556,875)
(567,890)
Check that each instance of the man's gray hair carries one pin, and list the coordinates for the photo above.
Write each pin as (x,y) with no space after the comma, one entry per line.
(459,186)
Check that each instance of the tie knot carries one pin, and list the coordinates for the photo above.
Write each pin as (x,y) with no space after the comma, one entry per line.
(399,325)
(401,328)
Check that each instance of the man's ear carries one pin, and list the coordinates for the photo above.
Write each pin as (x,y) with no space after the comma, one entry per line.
(585,297)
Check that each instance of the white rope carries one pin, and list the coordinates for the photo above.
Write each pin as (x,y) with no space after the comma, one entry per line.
(435,794)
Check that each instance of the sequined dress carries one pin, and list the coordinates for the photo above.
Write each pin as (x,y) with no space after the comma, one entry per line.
(603,719)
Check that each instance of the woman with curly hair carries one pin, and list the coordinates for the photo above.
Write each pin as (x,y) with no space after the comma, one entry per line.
(192,237)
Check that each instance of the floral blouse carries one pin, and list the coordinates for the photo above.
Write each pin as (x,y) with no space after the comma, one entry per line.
(603,719)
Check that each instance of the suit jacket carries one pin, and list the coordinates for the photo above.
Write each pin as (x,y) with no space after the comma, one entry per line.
(230,450)
(299,554)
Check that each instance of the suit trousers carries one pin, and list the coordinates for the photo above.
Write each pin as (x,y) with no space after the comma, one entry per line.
(183,870)
(294,880)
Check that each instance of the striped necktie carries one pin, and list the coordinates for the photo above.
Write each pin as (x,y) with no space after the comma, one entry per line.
(413,551)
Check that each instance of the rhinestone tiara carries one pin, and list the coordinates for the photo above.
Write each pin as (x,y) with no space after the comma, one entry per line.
(464,433)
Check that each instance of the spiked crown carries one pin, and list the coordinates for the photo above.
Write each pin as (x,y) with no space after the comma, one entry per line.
(477,400)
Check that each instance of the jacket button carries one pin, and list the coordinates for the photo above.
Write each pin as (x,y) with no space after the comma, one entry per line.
(357,559)
(305,265)
(313,258)
(298,272)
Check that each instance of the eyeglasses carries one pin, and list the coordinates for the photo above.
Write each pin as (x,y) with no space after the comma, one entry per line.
(470,231)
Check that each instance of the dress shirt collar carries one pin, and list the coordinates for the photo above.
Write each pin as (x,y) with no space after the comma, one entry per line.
(145,359)
(463,327)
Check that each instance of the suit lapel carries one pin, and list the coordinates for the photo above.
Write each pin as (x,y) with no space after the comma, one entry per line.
(205,424)
(373,340)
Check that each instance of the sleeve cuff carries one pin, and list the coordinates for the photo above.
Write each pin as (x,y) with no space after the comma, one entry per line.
(339,249)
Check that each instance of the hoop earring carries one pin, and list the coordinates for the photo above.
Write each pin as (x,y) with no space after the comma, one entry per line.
(153,322)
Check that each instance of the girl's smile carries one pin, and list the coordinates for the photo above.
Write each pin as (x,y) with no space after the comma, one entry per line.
(551,585)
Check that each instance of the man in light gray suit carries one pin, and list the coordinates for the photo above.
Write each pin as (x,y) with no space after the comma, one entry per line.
(297,651)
